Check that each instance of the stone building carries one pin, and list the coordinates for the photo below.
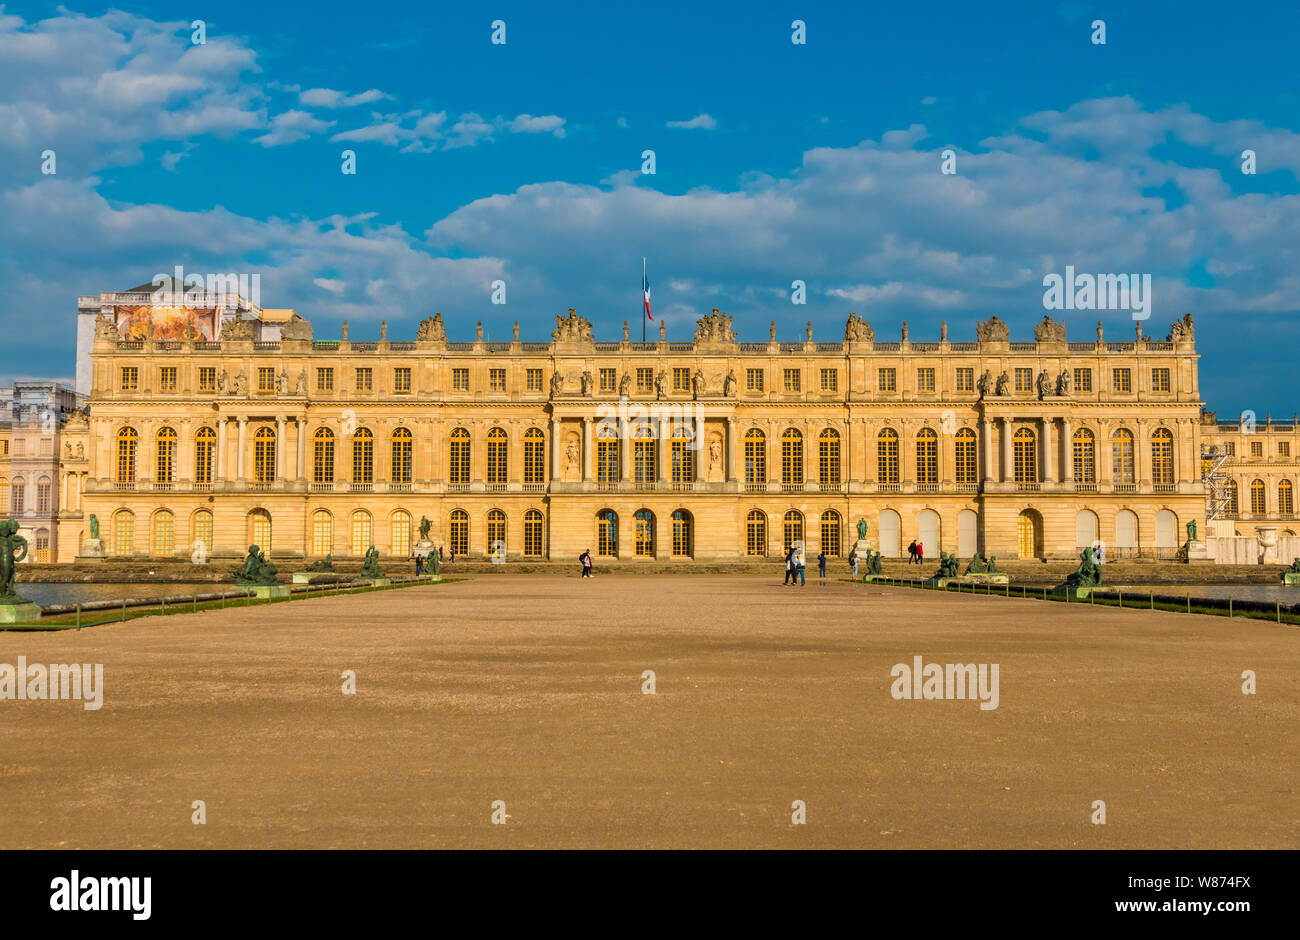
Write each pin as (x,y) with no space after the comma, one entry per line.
(714,449)
(33,417)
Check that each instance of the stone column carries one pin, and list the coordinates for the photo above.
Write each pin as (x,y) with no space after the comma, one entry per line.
(731,450)
(1008,469)
(301,425)
(279,448)
(219,458)
(986,427)
(1067,452)
(239,455)
(625,445)
(586,451)
(663,449)
(1047,473)
(555,449)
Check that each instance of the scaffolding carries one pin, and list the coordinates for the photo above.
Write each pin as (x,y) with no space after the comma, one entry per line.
(1216,483)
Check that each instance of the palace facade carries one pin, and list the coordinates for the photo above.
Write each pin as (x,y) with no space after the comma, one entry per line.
(714,449)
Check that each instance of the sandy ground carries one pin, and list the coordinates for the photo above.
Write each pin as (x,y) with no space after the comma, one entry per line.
(528,690)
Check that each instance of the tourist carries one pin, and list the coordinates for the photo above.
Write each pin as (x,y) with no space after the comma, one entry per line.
(920,553)
(853,561)
(911,552)
(789,565)
(419,565)
(439,554)
(451,555)
(821,566)
(585,558)
(800,563)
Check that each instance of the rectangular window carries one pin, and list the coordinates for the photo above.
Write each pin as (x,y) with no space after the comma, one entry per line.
(965,379)
(324,380)
(266,378)
(496,380)
(534,380)
(1159,380)
(753,380)
(130,378)
(460,380)
(1257,448)
(167,379)
(1122,379)
(1083,380)
(1230,448)
(793,381)
(1284,448)
(644,380)
(681,380)
(43,497)
(1024,380)
(365,379)
(888,380)
(402,379)
(830,380)
(207,378)
(608,380)
(925,380)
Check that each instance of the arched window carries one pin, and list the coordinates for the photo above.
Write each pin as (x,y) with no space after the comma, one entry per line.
(322,533)
(164,533)
(644,542)
(1025,456)
(831,533)
(1084,447)
(533,533)
(887,455)
(363,456)
(20,496)
(165,453)
(682,455)
(1257,498)
(607,533)
(683,541)
(127,442)
(496,533)
(1285,504)
(534,457)
(965,469)
(41,546)
(496,457)
(259,529)
(399,534)
(828,457)
(43,496)
(927,456)
(458,461)
(123,532)
(400,452)
(264,456)
(792,528)
(458,531)
(1121,450)
(201,529)
(362,532)
(1231,506)
(4,496)
(756,534)
(322,455)
(1162,456)
(645,457)
(755,459)
(607,461)
(792,457)
(205,449)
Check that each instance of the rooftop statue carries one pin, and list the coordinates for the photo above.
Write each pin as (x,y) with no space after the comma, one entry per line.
(858,330)
(431,330)
(992,330)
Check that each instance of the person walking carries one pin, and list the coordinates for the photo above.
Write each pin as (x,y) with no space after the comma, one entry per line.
(821,567)
(789,566)
(920,553)
(585,558)
(911,552)
(440,553)
(800,563)
(853,562)
(419,565)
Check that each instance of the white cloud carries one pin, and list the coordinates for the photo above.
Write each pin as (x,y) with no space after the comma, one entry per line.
(329,98)
(543,124)
(702,121)
(290,127)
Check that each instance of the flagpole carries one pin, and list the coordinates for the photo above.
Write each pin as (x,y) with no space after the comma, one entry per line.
(643,298)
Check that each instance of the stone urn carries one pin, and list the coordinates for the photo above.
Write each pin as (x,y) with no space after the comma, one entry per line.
(1266,535)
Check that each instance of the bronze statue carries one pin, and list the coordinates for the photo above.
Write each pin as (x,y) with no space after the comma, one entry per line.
(257,570)
(1191,531)
(947,566)
(1088,574)
(94,527)
(425,526)
(370,567)
(325,564)
(862,529)
(13,549)
(976,565)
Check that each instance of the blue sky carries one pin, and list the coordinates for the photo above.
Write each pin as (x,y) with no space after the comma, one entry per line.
(817,162)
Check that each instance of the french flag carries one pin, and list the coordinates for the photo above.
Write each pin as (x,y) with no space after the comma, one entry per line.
(645,290)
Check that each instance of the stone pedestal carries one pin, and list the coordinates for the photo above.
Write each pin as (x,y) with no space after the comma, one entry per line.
(1198,553)
(92,550)
(303,577)
(861,546)
(271,590)
(21,612)
(373,582)
(1291,579)
(997,578)
(1267,536)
